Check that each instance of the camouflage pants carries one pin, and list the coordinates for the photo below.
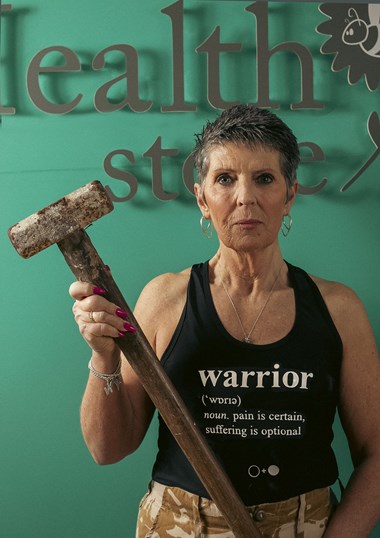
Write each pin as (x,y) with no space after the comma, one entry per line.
(169,512)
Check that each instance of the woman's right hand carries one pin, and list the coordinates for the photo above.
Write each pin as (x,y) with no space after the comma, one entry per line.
(99,320)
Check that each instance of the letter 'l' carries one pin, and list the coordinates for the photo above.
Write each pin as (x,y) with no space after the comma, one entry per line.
(5,110)
(175,12)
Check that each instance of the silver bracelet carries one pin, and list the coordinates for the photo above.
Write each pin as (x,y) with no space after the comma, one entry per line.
(110,379)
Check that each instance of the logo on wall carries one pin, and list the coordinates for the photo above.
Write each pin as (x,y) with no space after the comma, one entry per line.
(355,40)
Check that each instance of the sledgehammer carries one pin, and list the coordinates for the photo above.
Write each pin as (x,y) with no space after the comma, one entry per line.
(62,222)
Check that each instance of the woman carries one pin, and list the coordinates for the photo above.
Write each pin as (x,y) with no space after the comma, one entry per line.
(261,352)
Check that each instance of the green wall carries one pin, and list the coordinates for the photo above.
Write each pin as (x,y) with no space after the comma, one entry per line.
(49,485)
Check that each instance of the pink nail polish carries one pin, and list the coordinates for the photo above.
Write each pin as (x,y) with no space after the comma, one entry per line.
(121,334)
(98,291)
(121,313)
(130,328)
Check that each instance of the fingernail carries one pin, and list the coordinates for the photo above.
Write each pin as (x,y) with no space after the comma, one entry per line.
(98,291)
(130,328)
(108,267)
(121,313)
(121,334)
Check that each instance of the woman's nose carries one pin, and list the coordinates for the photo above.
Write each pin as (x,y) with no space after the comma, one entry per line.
(246,193)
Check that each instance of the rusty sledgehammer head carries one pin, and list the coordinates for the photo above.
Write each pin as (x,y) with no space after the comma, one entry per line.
(58,220)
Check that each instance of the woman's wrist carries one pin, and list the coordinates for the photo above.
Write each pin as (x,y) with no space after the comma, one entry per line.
(111,380)
(105,363)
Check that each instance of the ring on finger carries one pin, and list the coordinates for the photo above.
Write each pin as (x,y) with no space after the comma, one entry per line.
(91,316)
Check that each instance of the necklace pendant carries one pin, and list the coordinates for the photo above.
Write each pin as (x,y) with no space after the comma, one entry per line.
(247,340)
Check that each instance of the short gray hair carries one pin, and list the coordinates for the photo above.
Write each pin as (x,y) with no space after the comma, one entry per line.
(252,126)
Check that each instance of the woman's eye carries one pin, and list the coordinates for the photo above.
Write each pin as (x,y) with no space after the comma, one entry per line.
(224,179)
(265,179)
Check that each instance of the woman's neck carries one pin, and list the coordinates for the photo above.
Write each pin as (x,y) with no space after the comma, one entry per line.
(248,271)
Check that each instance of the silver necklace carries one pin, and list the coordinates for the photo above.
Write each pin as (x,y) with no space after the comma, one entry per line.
(246,338)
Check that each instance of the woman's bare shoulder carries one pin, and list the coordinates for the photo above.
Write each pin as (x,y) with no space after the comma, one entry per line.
(343,303)
(166,288)
(160,305)
(335,293)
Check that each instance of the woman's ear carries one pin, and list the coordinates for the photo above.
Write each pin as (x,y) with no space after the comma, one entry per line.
(291,195)
(201,201)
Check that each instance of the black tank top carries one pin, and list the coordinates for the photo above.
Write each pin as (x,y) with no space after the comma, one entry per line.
(266,410)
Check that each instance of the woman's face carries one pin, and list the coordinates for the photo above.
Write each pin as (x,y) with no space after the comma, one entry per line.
(245,196)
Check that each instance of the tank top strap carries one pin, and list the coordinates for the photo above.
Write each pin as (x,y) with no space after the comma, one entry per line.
(307,293)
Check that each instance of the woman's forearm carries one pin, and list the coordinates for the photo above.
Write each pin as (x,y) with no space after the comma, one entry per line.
(108,420)
(359,510)
(104,422)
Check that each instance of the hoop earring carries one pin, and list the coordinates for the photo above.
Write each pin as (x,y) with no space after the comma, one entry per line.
(207,230)
(286,225)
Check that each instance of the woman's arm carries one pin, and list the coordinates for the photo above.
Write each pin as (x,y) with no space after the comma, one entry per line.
(114,425)
(359,410)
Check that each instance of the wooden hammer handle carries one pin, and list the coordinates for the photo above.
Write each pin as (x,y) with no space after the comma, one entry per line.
(87,266)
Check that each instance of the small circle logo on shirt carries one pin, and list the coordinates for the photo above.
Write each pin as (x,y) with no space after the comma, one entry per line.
(355,40)
(254,471)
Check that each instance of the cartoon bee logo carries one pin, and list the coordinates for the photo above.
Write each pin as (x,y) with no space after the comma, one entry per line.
(354,32)
(359,32)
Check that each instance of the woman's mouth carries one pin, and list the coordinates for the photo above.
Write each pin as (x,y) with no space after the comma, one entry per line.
(248,223)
